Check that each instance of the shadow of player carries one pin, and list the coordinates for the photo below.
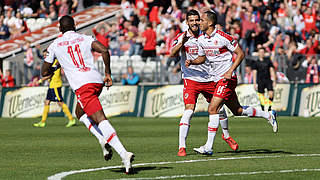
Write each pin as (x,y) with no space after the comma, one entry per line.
(255,151)
(136,170)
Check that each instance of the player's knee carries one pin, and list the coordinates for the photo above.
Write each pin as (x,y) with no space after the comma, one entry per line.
(187,114)
(213,110)
(238,111)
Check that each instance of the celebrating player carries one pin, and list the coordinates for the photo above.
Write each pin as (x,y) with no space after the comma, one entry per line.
(217,47)
(196,81)
(54,94)
(73,51)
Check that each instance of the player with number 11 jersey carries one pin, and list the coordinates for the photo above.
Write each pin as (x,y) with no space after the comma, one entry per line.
(73,51)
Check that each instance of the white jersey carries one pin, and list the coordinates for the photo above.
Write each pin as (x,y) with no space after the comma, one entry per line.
(198,73)
(217,48)
(73,51)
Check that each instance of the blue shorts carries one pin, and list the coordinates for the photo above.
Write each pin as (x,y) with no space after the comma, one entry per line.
(54,94)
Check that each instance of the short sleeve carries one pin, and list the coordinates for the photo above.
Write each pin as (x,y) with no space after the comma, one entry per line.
(50,55)
(254,65)
(231,44)
(200,47)
(90,39)
(270,64)
(177,40)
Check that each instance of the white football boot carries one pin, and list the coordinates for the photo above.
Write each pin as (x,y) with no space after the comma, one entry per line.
(127,160)
(273,121)
(202,150)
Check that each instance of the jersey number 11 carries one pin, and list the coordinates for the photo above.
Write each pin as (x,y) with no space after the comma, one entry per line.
(77,49)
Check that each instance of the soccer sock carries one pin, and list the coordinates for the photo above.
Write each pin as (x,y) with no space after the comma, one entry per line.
(253,112)
(184,127)
(224,126)
(262,100)
(270,103)
(224,122)
(212,129)
(111,136)
(45,113)
(66,111)
(93,128)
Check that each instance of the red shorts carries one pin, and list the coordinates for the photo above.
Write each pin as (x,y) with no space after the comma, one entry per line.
(225,89)
(87,97)
(192,89)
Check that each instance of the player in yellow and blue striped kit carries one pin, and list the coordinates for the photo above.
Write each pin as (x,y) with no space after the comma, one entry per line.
(54,94)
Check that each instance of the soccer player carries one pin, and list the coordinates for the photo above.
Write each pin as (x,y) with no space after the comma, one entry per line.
(54,94)
(217,47)
(196,80)
(265,76)
(73,51)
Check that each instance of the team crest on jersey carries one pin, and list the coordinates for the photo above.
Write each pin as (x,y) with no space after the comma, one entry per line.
(215,42)
(186,95)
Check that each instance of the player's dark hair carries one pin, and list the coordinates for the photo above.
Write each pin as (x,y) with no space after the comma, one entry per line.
(149,24)
(67,24)
(45,51)
(192,12)
(212,16)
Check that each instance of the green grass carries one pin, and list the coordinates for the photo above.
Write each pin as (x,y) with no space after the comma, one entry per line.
(37,153)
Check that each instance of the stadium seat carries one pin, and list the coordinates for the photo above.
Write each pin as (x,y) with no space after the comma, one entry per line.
(124,58)
(136,58)
(41,22)
(48,21)
(114,58)
(147,74)
(31,21)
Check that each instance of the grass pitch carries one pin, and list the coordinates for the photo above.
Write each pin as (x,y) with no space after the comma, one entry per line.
(27,152)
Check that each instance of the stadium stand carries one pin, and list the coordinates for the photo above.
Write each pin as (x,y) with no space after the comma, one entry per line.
(289,30)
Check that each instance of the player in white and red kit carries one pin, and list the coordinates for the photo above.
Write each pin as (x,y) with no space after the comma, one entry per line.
(196,80)
(217,47)
(73,51)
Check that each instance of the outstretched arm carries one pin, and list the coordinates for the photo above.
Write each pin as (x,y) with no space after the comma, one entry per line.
(97,46)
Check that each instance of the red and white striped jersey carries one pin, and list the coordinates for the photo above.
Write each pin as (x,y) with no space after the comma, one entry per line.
(73,51)
(198,73)
(218,48)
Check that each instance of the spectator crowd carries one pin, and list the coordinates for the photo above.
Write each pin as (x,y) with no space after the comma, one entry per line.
(287,29)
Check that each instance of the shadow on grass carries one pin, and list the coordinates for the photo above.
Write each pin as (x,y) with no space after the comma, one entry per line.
(136,170)
(256,151)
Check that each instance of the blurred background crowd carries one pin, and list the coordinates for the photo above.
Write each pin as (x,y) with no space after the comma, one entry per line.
(287,29)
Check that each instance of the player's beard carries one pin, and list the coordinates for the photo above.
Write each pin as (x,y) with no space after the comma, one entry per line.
(194,31)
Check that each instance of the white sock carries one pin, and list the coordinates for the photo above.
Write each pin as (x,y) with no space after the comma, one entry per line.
(93,128)
(253,112)
(111,136)
(224,126)
(212,129)
(224,122)
(184,127)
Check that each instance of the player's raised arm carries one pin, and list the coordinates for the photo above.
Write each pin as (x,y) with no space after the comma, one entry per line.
(178,44)
(97,46)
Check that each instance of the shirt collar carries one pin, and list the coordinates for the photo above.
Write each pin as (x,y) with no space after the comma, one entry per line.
(68,32)
(212,34)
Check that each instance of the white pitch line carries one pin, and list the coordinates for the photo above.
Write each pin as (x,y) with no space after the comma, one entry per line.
(222,174)
(61,175)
